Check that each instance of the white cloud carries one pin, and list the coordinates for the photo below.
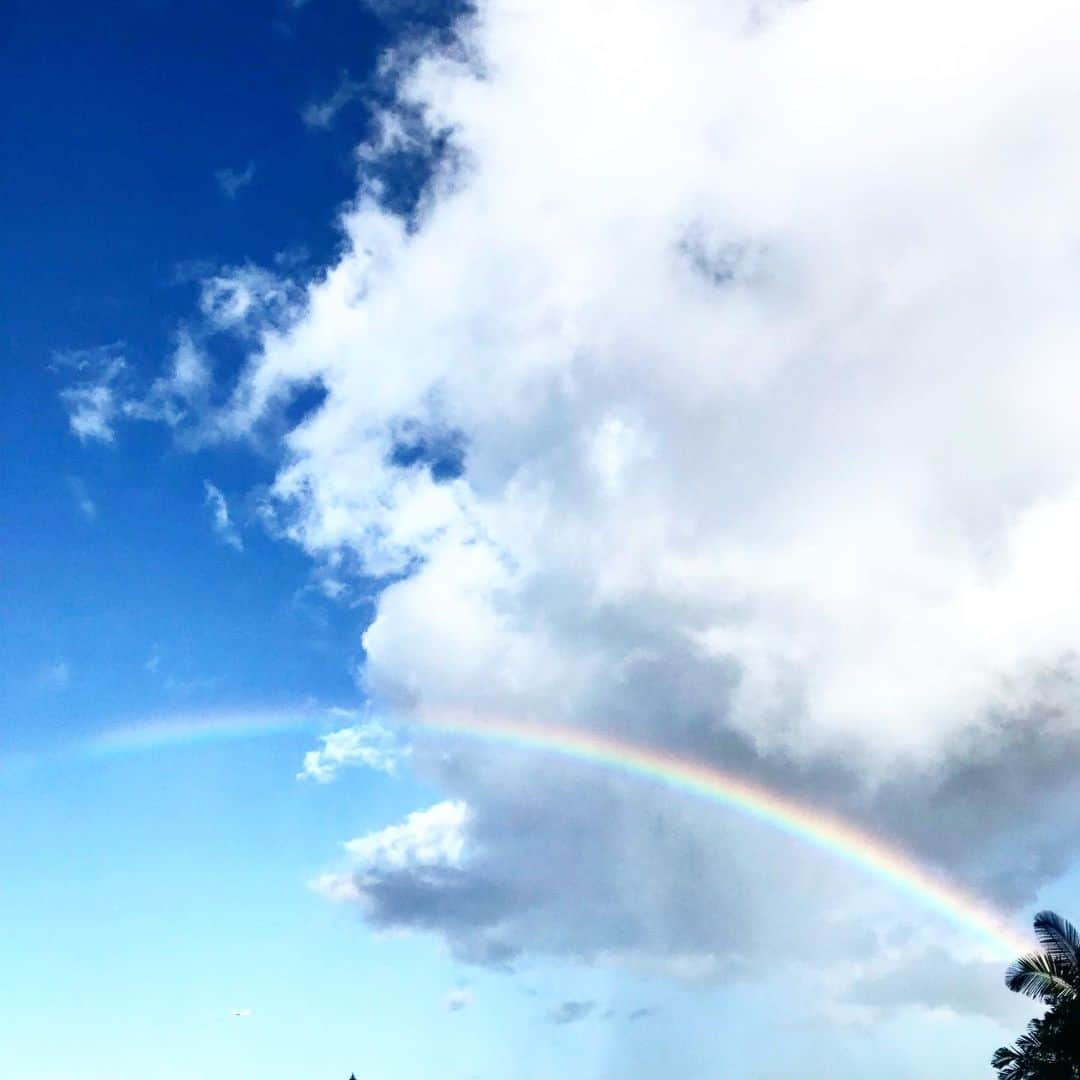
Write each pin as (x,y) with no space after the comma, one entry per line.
(180,395)
(222,521)
(233,181)
(91,411)
(93,400)
(240,299)
(81,495)
(104,390)
(458,999)
(320,115)
(432,837)
(57,676)
(423,875)
(839,417)
(757,327)
(190,374)
(338,888)
(370,745)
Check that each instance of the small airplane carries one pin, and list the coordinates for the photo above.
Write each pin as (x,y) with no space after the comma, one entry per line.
(241,1012)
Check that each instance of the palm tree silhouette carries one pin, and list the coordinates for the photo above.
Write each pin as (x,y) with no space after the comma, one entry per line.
(1053,975)
(1050,1048)
(1046,1051)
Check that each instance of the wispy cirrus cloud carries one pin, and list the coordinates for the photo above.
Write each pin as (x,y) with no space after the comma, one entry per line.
(233,181)
(81,496)
(104,390)
(220,517)
(458,999)
(56,676)
(95,394)
(321,115)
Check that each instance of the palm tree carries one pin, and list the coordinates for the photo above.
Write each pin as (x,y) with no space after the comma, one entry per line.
(1053,975)
(1046,1051)
(1050,1048)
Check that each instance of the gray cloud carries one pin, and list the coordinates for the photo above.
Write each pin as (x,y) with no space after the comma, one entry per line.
(935,979)
(435,897)
(570,1012)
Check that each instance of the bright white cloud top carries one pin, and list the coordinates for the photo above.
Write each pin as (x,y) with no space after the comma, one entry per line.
(367,744)
(756,331)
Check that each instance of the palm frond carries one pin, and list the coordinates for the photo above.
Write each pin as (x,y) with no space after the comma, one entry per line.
(1008,1063)
(1031,1057)
(1043,977)
(1058,936)
(1005,1056)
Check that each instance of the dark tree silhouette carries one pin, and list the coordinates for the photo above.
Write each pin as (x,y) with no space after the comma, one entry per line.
(1050,1048)
(1052,975)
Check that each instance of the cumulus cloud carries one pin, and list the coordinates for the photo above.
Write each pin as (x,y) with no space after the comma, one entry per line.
(428,838)
(742,402)
(369,744)
(418,876)
(752,327)
(220,518)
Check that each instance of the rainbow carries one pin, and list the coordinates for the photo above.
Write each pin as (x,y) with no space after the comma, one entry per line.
(178,730)
(871,854)
(194,728)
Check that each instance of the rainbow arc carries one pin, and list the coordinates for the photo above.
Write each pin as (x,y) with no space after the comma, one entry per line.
(870,853)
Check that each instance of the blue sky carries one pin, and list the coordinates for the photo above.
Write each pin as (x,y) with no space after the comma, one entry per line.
(131,936)
(365,361)
(107,206)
